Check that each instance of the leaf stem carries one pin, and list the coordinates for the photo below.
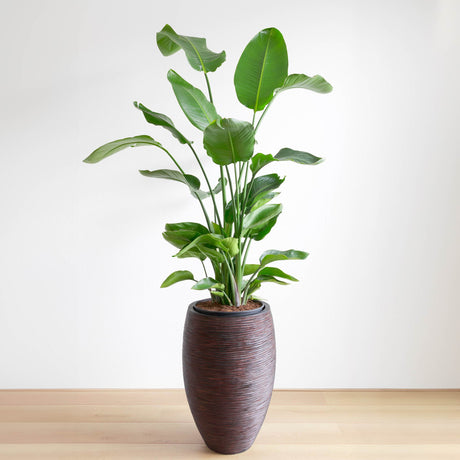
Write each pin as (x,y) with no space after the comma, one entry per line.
(262,116)
(209,86)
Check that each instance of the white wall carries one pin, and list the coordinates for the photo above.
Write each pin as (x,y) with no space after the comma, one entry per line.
(82,255)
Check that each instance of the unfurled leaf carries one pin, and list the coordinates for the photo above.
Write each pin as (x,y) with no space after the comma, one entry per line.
(175,277)
(160,119)
(249,269)
(297,156)
(228,140)
(261,185)
(316,83)
(270,279)
(261,216)
(195,49)
(262,68)
(208,245)
(193,102)
(115,146)
(273,271)
(261,231)
(273,255)
(263,199)
(260,160)
(207,283)
(191,181)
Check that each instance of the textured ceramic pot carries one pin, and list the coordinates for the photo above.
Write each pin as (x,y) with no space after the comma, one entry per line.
(229,368)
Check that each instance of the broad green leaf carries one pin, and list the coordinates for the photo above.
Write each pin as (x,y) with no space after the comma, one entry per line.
(249,269)
(115,146)
(183,233)
(192,226)
(297,156)
(270,279)
(230,246)
(207,283)
(191,181)
(273,255)
(228,140)
(296,80)
(160,119)
(207,242)
(175,277)
(263,199)
(195,49)
(260,160)
(260,232)
(199,111)
(261,185)
(273,271)
(262,68)
(259,217)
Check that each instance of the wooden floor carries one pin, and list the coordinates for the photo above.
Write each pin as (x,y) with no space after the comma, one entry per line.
(156,425)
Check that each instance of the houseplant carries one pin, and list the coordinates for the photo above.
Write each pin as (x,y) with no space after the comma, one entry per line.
(229,348)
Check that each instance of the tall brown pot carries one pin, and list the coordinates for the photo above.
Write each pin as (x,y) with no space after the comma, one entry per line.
(229,368)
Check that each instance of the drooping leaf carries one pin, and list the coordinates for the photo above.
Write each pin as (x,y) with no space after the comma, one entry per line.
(273,271)
(207,283)
(316,83)
(273,255)
(297,156)
(270,279)
(175,277)
(199,111)
(160,119)
(259,217)
(260,160)
(262,68)
(195,49)
(228,140)
(191,181)
(115,146)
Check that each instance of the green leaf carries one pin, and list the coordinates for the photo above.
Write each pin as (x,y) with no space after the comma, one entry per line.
(195,49)
(183,233)
(160,119)
(175,277)
(261,216)
(260,160)
(273,255)
(199,111)
(297,156)
(191,226)
(296,80)
(263,199)
(230,246)
(191,181)
(270,279)
(249,269)
(261,185)
(273,271)
(208,245)
(207,283)
(228,140)
(260,232)
(255,284)
(262,68)
(115,146)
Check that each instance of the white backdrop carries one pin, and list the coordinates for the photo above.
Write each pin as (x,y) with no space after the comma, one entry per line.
(82,255)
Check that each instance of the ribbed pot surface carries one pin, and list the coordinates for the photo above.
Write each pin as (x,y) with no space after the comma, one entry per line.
(229,368)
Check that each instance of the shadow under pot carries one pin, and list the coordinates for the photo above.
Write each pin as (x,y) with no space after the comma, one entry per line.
(229,367)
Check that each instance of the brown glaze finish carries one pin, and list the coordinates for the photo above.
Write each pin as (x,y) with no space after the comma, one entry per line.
(229,368)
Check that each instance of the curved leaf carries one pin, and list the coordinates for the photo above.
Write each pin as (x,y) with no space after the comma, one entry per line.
(271,279)
(191,181)
(195,49)
(183,233)
(249,269)
(260,232)
(260,160)
(261,216)
(175,277)
(297,156)
(211,241)
(273,271)
(229,140)
(299,80)
(115,146)
(208,283)
(262,184)
(263,199)
(272,255)
(262,68)
(160,119)
(199,111)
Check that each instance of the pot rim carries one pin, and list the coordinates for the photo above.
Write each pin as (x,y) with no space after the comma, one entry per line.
(254,311)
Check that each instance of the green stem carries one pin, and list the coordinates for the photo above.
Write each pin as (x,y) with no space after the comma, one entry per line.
(209,86)
(262,116)
(216,211)
(224,198)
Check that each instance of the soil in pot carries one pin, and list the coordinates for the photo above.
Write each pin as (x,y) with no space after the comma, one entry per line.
(210,305)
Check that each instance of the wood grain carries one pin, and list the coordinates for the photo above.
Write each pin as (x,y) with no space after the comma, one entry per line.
(156,424)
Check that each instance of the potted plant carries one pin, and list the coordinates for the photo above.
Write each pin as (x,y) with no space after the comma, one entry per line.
(229,341)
